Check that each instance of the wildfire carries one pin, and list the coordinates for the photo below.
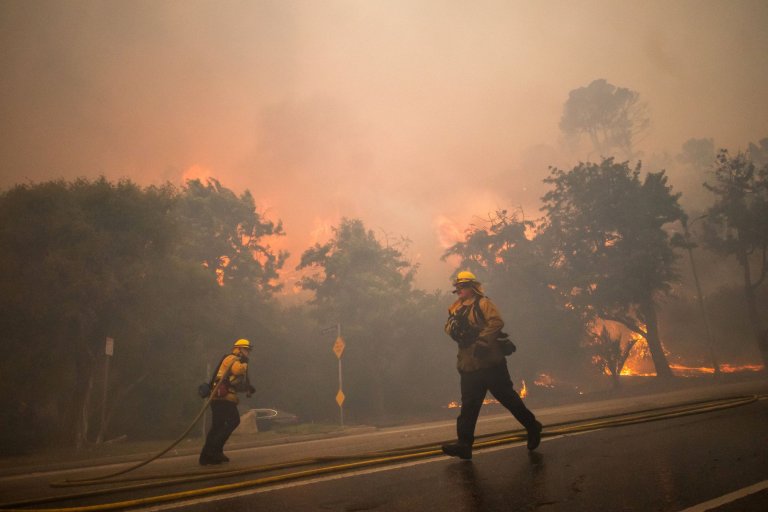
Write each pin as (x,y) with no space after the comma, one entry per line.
(730,368)
(635,367)
(692,371)
(486,401)
(628,370)
(448,231)
(544,381)
(196,172)
(682,370)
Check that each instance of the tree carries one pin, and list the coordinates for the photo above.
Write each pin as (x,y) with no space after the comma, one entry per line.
(73,255)
(697,153)
(694,162)
(511,261)
(226,235)
(83,260)
(367,287)
(611,346)
(737,224)
(613,117)
(758,153)
(609,249)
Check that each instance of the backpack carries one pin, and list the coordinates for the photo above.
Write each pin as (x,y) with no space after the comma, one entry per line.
(459,327)
(204,389)
(463,333)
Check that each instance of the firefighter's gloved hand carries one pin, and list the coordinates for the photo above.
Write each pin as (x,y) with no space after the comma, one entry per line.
(507,347)
(251,390)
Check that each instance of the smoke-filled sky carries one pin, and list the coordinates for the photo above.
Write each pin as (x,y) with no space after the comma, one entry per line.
(412,115)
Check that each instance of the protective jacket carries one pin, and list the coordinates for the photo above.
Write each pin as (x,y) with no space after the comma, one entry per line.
(236,377)
(485,351)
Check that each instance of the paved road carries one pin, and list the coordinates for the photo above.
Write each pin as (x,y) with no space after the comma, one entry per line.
(556,463)
(669,465)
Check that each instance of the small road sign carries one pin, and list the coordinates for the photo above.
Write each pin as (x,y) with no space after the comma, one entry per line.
(338,347)
(340,398)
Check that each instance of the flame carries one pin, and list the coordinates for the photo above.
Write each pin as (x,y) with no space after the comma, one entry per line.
(196,172)
(680,370)
(731,368)
(448,231)
(636,373)
(486,401)
(692,371)
(638,361)
(223,263)
(322,229)
(683,370)
(544,381)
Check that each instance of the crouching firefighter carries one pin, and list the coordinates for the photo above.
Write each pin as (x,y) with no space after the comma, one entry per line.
(475,324)
(232,373)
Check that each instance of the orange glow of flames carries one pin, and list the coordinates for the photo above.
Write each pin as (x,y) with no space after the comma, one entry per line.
(692,371)
(322,229)
(682,370)
(729,368)
(448,232)
(627,370)
(544,381)
(455,405)
(488,401)
(196,172)
(224,263)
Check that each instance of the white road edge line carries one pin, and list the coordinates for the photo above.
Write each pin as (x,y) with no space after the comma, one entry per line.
(485,421)
(349,474)
(728,498)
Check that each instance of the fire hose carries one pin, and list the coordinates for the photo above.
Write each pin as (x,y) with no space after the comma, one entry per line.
(334,464)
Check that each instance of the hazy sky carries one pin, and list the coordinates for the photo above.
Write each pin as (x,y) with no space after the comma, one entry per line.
(413,115)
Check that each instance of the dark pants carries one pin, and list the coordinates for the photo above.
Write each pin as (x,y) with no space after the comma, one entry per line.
(226,418)
(474,386)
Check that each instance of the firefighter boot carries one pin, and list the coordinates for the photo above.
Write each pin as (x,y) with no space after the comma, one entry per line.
(207,460)
(461,451)
(534,435)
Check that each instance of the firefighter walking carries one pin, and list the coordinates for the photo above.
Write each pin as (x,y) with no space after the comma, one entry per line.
(233,375)
(475,324)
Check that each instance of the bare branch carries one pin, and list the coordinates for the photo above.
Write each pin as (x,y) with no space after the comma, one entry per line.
(628,322)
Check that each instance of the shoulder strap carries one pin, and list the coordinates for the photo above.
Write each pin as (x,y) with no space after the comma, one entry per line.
(216,370)
(479,315)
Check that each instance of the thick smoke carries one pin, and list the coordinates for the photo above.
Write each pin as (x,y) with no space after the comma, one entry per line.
(413,116)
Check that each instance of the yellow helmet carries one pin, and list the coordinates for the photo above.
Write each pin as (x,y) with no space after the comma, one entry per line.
(465,276)
(242,343)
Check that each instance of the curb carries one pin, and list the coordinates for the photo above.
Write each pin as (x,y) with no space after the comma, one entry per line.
(235,445)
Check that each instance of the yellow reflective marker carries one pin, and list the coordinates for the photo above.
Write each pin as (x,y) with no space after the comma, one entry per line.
(338,347)
(340,397)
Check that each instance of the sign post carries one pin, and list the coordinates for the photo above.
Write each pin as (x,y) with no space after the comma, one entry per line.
(109,350)
(338,349)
